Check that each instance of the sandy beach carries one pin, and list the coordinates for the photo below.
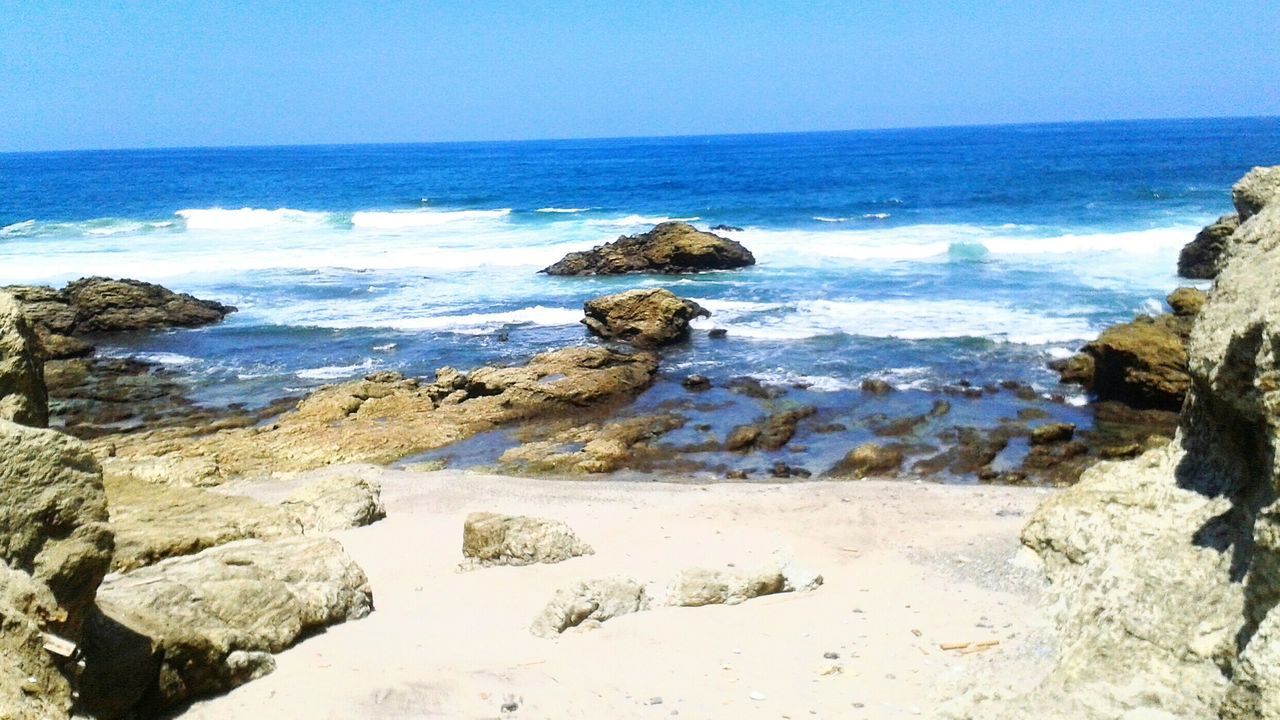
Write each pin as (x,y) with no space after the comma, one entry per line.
(907,568)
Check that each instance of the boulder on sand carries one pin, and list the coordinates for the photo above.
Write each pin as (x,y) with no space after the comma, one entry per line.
(669,248)
(643,318)
(493,539)
(590,600)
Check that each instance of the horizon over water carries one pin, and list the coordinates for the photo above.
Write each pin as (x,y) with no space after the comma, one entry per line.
(921,256)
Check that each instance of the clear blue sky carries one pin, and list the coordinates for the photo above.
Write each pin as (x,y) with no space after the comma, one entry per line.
(92,74)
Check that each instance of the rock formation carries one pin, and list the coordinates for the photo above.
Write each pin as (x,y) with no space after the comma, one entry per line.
(352,422)
(590,600)
(669,248)
(1166,568)
(23,398)
(869,460)
(643,318)
(96,305)
(1200,259)
(1142,363)
(206,623)
(493,539)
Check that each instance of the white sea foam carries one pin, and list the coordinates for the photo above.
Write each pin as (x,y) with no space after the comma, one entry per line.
(821,383)
(246,218)
(904,319)
(876,216)
(166,358)
(403,219)
(18,227)
(566,211)
(820,218)
(633,220)
(333,372)
(464,323)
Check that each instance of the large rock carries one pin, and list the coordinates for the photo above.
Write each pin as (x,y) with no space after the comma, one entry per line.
(1255,190)
(696,587)
(339,502)
(669,248)
(493,539)
(386,417)
(1142,363)
(32,687)
(1201,258)
(23,398)
(53,517)
(206,623)
(96,305)
(590,600)
(1165,570)
(644,318)
(869,460)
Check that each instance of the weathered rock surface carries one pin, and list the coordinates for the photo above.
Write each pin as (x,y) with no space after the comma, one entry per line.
(31,686)
(386,417)
(1166,568)
(1142,363)
(770,434)
(1051,433)
(333,503)
(696,587)
(203,624)
(643,318)
(590,600)
(53,517)
(493,539)
(1201,259)
(669,248)
(869,460)
(1259,187)
(23,398)
(96,305)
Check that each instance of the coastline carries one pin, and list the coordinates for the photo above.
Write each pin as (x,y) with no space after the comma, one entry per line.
(896,557)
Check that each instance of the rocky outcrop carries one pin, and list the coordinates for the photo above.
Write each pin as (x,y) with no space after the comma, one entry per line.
(493,539)
(1142,363)
(55,548)
(95,305)
(669,248)
(1165,569)
(696,587)
(23,398)
(770,434)
(386,417)
(1258,188)
(643,318)
(1201,258)
(338,502)
(203,624)
(593,448)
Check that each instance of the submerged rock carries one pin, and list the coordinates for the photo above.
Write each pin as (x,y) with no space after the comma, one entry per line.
(493,539)
(593,448)
(669,248)
(770,434)
(23,397)
(643,318)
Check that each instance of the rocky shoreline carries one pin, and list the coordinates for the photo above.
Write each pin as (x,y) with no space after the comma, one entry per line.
(126,550)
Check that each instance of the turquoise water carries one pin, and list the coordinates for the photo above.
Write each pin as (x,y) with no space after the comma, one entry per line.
(919,256)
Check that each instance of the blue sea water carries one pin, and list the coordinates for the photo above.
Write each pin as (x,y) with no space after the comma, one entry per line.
(920,256)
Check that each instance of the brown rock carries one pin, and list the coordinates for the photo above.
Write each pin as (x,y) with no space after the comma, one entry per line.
(869,460)
(1202,258)
(643,318)
(1141,363)
(23,398)
(1186,301)
(493,539)
(1052,433)
(669,248)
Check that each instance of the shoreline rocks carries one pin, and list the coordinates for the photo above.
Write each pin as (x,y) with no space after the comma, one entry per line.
(493,539)
(670,248)
(643,318)
(23,396)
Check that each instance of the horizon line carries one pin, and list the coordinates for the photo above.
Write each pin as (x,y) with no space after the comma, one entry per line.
(496,141)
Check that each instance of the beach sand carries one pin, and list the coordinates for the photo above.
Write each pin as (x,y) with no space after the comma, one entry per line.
(907,567)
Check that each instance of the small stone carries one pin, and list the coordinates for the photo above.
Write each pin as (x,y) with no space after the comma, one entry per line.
(717,333)
(757,695)
(655,700)
(696,383)
(829,655)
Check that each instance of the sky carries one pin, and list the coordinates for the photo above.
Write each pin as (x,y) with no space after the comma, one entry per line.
(95,74)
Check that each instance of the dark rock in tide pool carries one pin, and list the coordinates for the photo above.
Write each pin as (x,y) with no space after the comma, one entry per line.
(873,386)
(1052,433)
(696,383)
(771,434)
(669,248)
(643,318)
(96,305)
(783,471)
(869,460)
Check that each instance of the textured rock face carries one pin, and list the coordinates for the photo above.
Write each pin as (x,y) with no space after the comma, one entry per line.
(669,248)
(1166,568)
(53,517)
(31,685)
(336,503)
(869,460)
(696,587)
(352,422)
(1201,259)
(100,305)
(493,539)
(202,624)
(591,600)
(23,398)
(593,448)
(1255,190)
(643,318)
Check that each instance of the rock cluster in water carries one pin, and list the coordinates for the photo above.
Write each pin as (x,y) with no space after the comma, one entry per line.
(643,318)
(1166,568)
(669,248)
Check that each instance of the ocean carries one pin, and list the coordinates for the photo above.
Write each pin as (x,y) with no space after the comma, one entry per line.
(922,256)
